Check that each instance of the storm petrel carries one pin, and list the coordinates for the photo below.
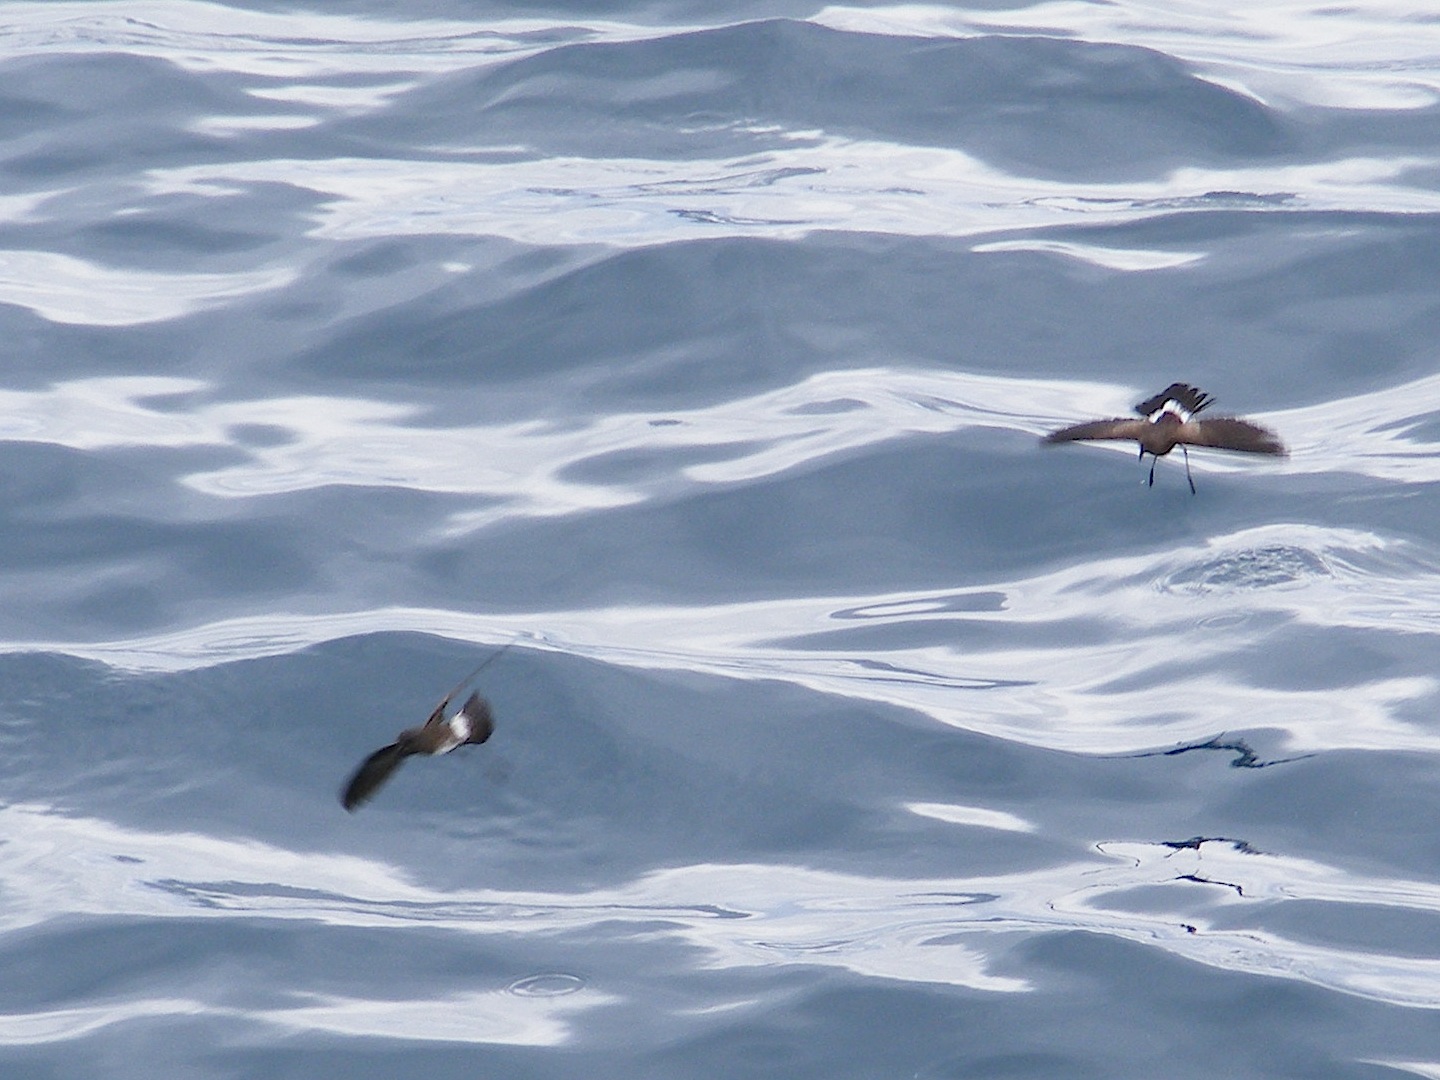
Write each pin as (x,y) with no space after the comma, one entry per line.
(438,735)
(1169,420)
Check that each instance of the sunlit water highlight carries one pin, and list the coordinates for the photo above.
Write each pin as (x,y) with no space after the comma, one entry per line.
(703,356)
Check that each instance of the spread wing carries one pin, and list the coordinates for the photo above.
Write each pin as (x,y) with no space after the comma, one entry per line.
(480,722)
(1099,429)
(373,772)
(1228,433)
(438,716)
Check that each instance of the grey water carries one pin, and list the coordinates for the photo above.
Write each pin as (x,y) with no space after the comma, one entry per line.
(700,354)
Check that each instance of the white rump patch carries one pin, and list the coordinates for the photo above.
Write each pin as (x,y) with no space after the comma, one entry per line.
(1171,406)
(460,726)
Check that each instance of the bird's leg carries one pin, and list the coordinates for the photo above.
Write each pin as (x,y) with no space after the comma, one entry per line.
(1187,468)
(1153,460)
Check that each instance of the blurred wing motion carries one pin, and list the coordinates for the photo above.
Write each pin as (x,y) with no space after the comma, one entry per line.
(438,716)
(1221,432)
(372,773)
(1099,429)
(474,723)
(1228,433)
(1170,419)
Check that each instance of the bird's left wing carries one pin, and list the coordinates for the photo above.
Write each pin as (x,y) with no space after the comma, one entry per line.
(373,772)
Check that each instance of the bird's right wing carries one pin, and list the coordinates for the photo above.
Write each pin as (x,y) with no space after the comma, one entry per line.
(373,772)
(438,716)
(1099,429)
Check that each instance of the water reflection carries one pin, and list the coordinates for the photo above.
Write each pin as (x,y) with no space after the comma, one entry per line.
(1081,686)
(535,469)
(65,289)
(1211,900)
(1244,757)
(527,469)
(830,184)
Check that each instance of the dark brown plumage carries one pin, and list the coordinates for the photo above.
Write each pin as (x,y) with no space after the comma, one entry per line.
(473,723)
(1169,419)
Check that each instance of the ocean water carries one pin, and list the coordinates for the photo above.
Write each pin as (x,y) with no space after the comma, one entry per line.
(699,353)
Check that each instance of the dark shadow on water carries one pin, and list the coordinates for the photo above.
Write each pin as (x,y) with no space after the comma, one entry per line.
(1196,842)
(1245,755)
(909,675)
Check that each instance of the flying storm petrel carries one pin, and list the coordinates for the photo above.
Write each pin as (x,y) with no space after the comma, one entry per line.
(1169,420)
(472,724)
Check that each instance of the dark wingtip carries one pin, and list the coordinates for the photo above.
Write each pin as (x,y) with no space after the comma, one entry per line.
(1272,444)
(372,773)
(351,800)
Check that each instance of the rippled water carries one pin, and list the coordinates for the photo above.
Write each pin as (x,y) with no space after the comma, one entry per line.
(700,353)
